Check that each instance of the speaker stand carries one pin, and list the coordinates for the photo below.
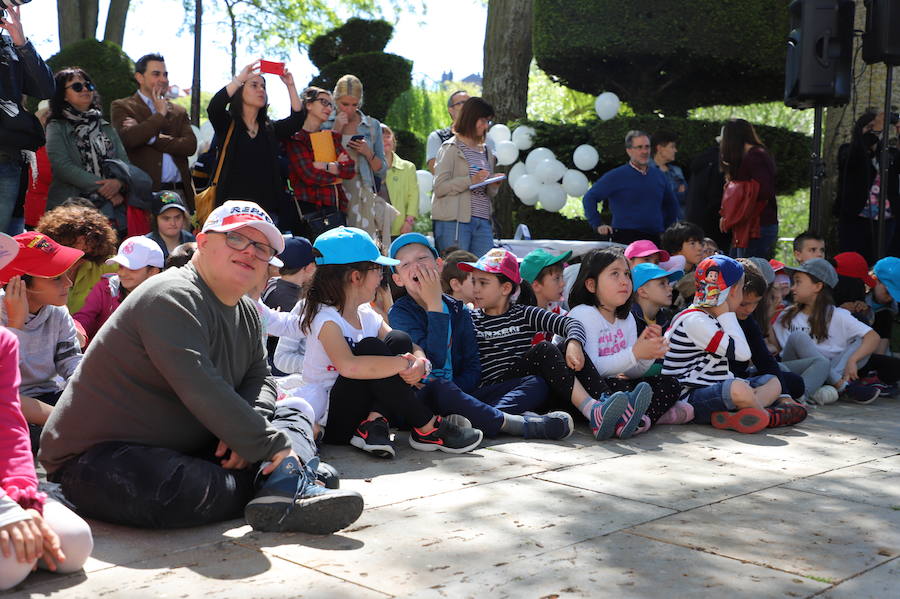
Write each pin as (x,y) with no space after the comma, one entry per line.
(817,167)
(884,163)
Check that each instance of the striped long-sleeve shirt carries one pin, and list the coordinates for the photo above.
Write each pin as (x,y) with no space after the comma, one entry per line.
(506,336)
(700,346)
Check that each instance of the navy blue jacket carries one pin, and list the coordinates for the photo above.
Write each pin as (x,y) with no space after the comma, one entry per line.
(428,330)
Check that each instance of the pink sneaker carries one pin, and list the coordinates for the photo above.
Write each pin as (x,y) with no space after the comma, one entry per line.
(680,413)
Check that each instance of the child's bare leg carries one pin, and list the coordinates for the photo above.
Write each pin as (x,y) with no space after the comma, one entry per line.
(766,394)
(742,395)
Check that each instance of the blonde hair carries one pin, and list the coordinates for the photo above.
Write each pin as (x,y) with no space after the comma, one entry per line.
(349,85)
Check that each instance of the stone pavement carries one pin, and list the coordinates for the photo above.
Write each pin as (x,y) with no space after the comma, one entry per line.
(684,511)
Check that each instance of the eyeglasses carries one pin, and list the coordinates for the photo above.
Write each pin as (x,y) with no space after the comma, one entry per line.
(79,87)
(460,103)
(236,241)
(324,102)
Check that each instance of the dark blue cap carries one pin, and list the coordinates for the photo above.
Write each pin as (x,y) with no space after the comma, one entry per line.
(298,252)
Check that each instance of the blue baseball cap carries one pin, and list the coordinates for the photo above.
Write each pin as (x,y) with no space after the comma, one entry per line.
(345,245)
(887,271)
(408,238)
(298,252)
(647,271)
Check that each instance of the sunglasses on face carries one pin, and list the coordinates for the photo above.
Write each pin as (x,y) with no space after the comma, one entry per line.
(79,87)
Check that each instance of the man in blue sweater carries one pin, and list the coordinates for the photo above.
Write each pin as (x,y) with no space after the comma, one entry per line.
(641,200)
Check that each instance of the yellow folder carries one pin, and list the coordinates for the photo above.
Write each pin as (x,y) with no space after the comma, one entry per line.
(323,146)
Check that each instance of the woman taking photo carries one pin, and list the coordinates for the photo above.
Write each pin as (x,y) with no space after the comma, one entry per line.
(401,186)
(744,157)
(317,184)
(79,139)
(462,216)
(251,168)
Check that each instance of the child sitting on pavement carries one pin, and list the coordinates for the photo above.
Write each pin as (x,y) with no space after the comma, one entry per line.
(645,250)
(544,286)
(808,245)
(652,295)
(883,300)
(455,282)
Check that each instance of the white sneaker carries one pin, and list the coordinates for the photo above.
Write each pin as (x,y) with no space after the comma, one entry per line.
(825,395)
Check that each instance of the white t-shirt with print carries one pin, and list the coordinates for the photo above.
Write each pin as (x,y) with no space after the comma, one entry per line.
(319,374)
(609,344)
(841,330)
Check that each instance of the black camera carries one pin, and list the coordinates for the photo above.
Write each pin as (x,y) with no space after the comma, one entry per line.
(4,4)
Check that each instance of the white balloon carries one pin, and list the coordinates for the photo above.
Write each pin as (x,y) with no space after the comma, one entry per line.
(425,180)
(536,156)
(585,157)
(206,132)
(546,171)
(424,202)
(575,184)
(507,152)
(499,132)
(515,172)
(527,188)
(193,158)
(606,105)
(559,170)
(552,197)
(523,137)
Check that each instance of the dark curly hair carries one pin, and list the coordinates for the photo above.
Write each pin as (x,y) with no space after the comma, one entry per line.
(82,227)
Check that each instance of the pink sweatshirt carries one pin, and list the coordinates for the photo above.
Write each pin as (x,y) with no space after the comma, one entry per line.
(18,480)
(101,302)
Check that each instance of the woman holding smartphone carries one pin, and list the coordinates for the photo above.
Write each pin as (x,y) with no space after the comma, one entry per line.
(361,136)
(461,213)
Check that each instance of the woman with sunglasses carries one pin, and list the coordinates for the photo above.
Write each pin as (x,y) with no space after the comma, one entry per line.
(462,215)
(316,183)
(79,139)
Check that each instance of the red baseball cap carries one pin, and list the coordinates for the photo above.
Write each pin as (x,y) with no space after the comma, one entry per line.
(852,264)
(776,265)
(39,256)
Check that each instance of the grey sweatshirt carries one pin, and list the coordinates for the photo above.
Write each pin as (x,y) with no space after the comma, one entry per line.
(173,367)
(48,347)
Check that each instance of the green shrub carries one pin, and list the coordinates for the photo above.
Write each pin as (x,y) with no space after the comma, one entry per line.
(384,77)
(111,70)
(409,147)
(356,36)
(667,55)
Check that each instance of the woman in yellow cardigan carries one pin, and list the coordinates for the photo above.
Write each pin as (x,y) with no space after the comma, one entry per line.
(402,187)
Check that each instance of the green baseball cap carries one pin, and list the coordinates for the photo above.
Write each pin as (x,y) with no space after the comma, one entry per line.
(536,261)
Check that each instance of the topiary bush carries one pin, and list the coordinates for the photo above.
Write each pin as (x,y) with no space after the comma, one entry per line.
(409,147)
(384,77)
(356,36)
(666,55)
(111,70)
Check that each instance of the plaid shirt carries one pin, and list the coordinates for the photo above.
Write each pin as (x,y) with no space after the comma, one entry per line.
(315,185)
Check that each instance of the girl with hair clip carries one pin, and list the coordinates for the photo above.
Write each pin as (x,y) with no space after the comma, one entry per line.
(813,326)
(358,372)
(601,301)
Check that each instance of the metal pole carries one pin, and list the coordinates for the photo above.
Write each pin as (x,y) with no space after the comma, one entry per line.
(195,83)
(883,162)
(817,168)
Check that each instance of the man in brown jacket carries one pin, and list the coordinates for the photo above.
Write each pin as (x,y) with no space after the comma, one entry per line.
(156,133)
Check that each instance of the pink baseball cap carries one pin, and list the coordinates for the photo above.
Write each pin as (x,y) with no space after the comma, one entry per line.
(497,261)
(645,247)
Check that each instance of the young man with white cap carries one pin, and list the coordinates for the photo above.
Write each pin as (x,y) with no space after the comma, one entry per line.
(172,417)
(139,258)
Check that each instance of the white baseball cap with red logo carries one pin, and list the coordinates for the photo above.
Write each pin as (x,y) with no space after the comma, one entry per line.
(138,252)
(235,214)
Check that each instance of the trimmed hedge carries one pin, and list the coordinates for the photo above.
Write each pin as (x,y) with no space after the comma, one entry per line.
(409,146)
(667,55)
(111,70)
(384,77)
(356,36)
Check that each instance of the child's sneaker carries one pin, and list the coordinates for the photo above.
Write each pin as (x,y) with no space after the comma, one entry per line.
(681,412)
(638,402)
(554,426)
(459,420)
(859,393)
(606,414)
(824,395)
(447,437)
(374,436)
(785,412)
(746,420)
(291,501)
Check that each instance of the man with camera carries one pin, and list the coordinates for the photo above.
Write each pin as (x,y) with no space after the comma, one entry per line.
(22,71)
(155,132)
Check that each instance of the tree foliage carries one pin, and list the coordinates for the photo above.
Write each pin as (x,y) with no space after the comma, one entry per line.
(668,55)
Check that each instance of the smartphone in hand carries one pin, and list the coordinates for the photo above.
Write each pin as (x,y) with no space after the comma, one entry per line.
(269,66)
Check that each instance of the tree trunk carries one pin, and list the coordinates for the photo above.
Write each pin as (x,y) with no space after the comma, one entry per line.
(195,83)
(90,11)
(115,21)
(507,57)
(69,17)
(232,18)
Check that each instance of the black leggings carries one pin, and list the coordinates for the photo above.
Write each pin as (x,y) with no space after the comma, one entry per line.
(887,367)
(351,400)
(546,361)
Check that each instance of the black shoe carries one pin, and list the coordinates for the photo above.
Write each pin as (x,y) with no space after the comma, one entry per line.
(555,426)
(328,475)
(291,501)
(447,437)
(374,436)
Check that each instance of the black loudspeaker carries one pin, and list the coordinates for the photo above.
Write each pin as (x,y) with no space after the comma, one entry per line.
(820,53)
(881,41)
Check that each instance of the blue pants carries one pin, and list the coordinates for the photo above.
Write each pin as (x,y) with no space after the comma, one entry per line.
(762,247)
(10,176)
(476,236)
(485,406)
(717,398)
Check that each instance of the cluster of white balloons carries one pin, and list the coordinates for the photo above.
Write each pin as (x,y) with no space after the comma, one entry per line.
(426,185)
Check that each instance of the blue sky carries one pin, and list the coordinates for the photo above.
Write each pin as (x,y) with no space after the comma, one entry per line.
(156,25)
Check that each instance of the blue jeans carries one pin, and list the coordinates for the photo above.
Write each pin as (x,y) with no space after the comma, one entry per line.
(10,175)
(475,236)
(762,247)
(717,398)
